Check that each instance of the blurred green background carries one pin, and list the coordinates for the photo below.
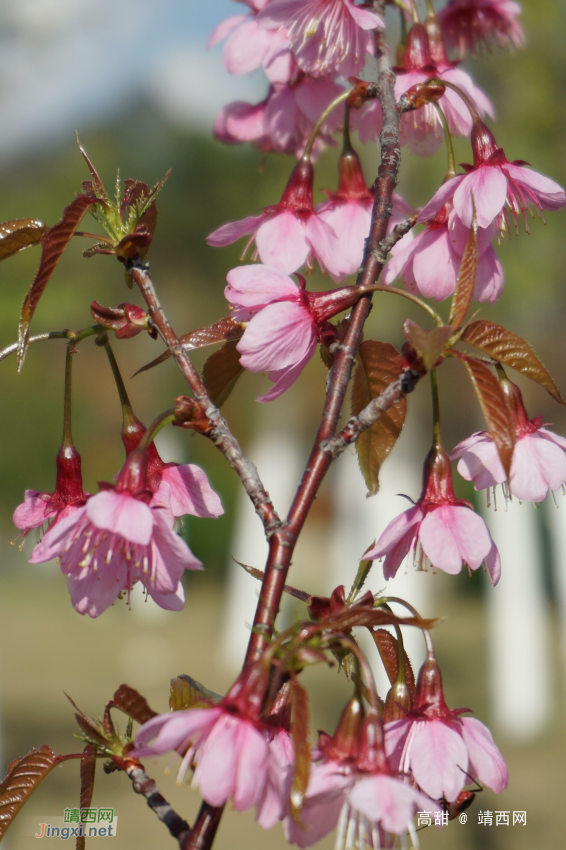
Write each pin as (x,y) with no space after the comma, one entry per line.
(46,648)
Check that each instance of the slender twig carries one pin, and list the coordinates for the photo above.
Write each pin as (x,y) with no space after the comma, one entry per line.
(370,414)
(396,234)
(144,785)
(219,432)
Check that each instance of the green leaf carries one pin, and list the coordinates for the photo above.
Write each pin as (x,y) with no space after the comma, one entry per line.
(511,350)
(186,692)
(379,364)
(359,581)
(22,778)
(221,371)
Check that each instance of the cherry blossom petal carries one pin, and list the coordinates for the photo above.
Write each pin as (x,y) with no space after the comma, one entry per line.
(186,490)
(284,378)
(538,464)
(439,759)
(32,512)
(224,29)
(435,264)
(493,564)
(276,337)
(255,286)
(169,601)
(174,730)
(229,233)
(389,802)
(488,188)
(479,461)
(350,221)
(548,192)
(444,194)
(282,242)
(453,534)
(54,537)
(252,767)
(93,591)
(246,48)
(172,556)
(330,252)
(489,280)
(121,514)
(488,763)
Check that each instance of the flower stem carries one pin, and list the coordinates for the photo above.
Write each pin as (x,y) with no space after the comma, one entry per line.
(472,109)
(127,412)
(435,409)
(449,146)
(67,431)
(381,287)
(156,426)
(316,129)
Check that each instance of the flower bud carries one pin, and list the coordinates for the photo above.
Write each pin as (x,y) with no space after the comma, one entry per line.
(483,142)
(422,94)
(344,744)
(191,414)
(417,51)
(127,320)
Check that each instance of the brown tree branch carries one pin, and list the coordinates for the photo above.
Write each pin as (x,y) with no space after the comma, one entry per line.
(370,414)
(144,785)
(220,433)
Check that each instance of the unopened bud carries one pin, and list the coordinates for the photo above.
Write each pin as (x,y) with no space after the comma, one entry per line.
(190,413)
(127,320)
(421,94)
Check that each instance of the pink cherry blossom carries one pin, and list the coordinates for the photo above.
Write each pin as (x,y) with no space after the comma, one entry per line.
(348,212)
(496,187)
(357,803)
(430,263)
(185,489)
(37,507)
(439,528)
(473,25)
(539,456)
(290,233)
(283,121)
(111,543)
(439,747)
(232,754)
(249,47)
(326,36)
(285,321)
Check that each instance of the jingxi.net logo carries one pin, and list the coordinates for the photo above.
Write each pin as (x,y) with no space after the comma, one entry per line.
(76,823)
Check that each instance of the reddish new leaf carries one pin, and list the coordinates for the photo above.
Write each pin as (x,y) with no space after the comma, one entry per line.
(221,371)
(225,329)
(97,184)
(379,365)
(357,617)
(19,234)
(511,350)
(388,648)
(88,768)
(429,345)
(133,704)
(186,692)
(300,735)
(22,778)
(494,408)
(53,243)
(466,282)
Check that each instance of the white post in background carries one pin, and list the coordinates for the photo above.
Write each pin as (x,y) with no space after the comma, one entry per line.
(359,521)
(557,528)
(518,637)
(277,456)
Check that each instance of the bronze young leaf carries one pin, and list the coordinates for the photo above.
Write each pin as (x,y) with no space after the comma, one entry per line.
(511,350)
(466,281)
(379,363)
(20,234)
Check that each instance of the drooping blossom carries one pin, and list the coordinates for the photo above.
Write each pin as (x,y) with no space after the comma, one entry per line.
(498,188)
(249,47)
(539,456)
(327,37)
(470,26)
(285,321)
(439,747)
(290,233)
(439,529)
(234,752)
(179,488)
(421,129)
(117,539)
(38,508)
(283,121)
(353,789)
(429,264)
(348,211)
